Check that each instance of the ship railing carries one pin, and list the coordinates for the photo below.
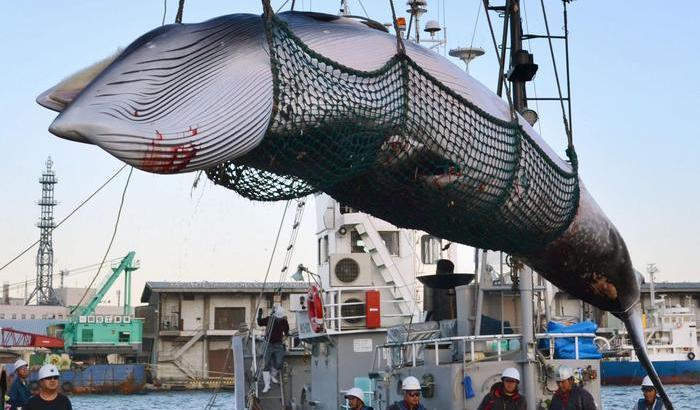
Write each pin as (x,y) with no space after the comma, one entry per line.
(413,353)
(336,321)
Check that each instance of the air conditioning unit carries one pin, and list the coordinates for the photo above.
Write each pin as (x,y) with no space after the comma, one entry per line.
(297,302)
(351,269)
(352,309)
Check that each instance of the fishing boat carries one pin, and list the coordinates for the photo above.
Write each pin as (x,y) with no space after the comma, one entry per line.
(672,345)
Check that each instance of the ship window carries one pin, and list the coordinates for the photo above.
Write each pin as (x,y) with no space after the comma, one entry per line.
(87,335)
(356,243)
(391,240)
(228,318)
(344,209)
(430,249)
(323,249)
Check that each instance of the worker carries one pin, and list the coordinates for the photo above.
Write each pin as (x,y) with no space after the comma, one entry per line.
(356,399)
(649,401)
(411,396)
(48,398)
(19,391)
(504,394)
(276,328)
(570,396)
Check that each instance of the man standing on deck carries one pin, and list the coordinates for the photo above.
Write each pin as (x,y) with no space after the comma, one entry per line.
(569,396)
(276,328)
(505,395)
(411,396)
(19,391)
(650,401)
(48,398)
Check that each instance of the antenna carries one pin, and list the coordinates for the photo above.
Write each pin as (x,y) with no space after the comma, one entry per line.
(44,291)
(466,54)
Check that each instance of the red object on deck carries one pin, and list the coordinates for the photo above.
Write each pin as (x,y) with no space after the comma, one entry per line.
(17,338)
(372,309)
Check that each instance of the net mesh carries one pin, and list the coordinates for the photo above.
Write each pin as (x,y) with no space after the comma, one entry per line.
(398,144)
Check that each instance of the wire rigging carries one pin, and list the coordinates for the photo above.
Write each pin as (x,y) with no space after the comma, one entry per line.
(66,218)
(111,241)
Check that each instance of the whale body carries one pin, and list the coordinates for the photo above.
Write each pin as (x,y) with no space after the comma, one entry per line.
(191,97)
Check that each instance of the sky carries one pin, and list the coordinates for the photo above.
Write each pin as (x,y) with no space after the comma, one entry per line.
(633,88)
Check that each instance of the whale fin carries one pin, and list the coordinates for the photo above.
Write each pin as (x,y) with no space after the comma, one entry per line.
(633,323)
(58,97)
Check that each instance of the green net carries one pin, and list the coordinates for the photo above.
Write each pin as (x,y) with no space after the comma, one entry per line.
(398,144)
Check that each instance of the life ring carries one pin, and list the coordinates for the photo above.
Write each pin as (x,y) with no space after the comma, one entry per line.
(691,356)
(315,309)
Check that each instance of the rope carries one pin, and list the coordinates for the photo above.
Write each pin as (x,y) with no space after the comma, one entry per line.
(180,8)
(111,241)
(400,48)
(66,218)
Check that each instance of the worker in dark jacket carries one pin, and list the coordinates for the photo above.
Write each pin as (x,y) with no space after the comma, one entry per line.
(49,397)
(569,396)
(505,395)
(19,391)
(411,395)
(649,401)
(276,328)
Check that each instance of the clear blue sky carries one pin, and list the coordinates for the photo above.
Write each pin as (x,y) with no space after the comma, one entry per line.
(634,79)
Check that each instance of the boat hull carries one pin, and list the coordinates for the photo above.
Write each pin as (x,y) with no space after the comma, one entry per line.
(101,378)
(626,373)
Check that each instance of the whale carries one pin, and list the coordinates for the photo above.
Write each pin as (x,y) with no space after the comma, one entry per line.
(193,97)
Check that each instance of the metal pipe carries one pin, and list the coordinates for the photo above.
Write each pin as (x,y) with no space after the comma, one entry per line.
(528,338)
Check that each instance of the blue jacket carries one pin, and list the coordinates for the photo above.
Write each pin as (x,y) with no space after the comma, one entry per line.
(642,405)
(19,393)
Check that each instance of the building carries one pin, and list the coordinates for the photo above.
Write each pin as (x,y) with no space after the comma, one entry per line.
(188,325)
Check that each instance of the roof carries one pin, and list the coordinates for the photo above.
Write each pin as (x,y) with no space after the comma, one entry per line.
(218,287)
(687,287)
(37,326)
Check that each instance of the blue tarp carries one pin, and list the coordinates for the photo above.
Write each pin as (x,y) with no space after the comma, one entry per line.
(564,348)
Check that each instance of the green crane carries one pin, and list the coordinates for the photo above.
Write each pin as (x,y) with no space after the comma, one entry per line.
(93,334)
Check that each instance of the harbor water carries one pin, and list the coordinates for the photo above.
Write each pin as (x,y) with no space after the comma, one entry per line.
(614,398)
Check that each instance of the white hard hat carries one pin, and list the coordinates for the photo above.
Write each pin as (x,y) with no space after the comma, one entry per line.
(410,383)
(564,373)
(356,392)
(279,312)
(511,373)
(19,363)
(647,382)
(48,370)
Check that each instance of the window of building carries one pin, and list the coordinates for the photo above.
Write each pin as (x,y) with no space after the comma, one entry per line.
(60,316)
(188,296)
(323,249)
(430,249)
(24,315)
(44,316)
(228,318)
(2,316)
(14,315)
(32,316)
(391,241)
(356,243)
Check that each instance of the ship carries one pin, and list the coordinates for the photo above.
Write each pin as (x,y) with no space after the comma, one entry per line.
(672,344)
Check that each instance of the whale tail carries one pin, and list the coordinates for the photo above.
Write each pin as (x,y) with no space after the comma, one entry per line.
(633,323)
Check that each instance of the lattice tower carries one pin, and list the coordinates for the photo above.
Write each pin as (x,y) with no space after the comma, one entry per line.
(44,291)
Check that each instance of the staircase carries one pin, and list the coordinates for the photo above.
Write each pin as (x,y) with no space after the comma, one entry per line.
(384,261)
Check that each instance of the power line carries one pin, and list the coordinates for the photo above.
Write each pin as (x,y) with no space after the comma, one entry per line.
(66,218)
(111,241)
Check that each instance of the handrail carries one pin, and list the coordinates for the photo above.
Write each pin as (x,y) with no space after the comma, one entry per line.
(414,345)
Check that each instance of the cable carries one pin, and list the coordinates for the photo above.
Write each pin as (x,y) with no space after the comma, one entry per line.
(66,218)
(165,11)
(111,241)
